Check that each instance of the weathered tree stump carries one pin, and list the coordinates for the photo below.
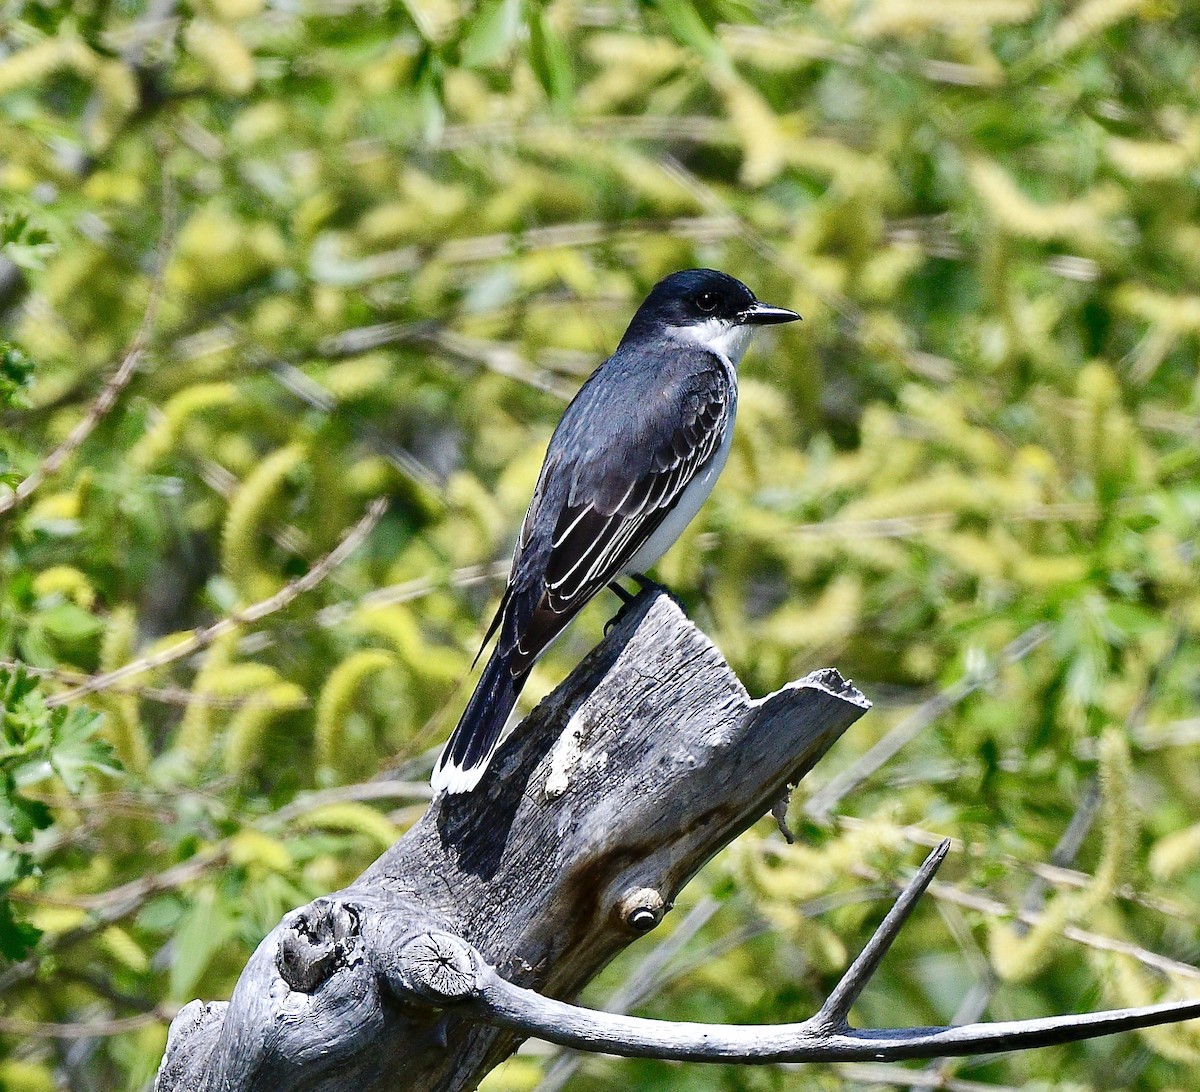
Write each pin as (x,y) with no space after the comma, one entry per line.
(426,972)
(609,798)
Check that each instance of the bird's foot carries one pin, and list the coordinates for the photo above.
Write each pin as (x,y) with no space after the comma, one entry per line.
(645,584)
(648,585)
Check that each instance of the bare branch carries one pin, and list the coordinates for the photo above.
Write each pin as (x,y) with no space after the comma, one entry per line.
(444,970)
(201,638)
(836,1010)
(117,382)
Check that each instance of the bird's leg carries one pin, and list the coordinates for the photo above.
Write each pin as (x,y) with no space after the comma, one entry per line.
(626,601)
(621,594)
(645,584)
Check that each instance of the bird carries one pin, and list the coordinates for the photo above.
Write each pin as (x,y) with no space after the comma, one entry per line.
(634,456)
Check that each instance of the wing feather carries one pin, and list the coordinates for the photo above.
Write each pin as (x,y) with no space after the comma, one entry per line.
(609,480)
(591,545)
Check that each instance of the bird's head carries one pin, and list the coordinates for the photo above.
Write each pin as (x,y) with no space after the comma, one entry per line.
(707,307)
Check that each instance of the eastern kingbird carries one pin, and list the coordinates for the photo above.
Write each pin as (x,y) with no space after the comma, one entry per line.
(632,460)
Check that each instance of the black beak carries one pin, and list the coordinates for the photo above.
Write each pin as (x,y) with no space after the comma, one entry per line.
(763,314)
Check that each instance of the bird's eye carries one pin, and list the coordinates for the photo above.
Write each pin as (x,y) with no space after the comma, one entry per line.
(707,301)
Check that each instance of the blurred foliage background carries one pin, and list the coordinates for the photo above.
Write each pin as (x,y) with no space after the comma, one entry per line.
(374,246)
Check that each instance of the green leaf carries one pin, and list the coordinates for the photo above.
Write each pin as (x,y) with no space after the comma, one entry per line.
(14,867)
(205,928)
(17,938)
(70,623)
(16,373)
(689,28)
(493,34)
(427,82)
(73,752)
(20,818)
(550,60)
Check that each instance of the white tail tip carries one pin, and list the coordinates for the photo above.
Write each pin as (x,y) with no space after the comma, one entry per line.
(452,780)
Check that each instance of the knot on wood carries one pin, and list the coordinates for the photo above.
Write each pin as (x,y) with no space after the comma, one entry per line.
(641,910)
(438,967)
(318,940)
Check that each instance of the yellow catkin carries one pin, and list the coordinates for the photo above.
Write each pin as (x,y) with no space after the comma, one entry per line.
(250,512)
(827,621)
(67,581)
(338,696)
(1154,160)
(1018,958)
(125,949)
(628,65)
(1177,313)
(1083,220)
(32,65)
(784,875)
(223,53)
(1089,18)
(123,722)
(26,1076)
(56,506)
(945,416)
(161,439)
(353,818)
(256,851)
(195,731)
(1175,853)
(117,98)
(941,490)
(1104,434)
(57,919)
(757,128)
(913,17)
(1130,985)
(230,11)
(359,377)
(248,726)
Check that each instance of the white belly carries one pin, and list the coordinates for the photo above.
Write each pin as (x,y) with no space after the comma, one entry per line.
(694,495)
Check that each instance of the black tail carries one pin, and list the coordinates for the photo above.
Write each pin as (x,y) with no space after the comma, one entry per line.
(474,741)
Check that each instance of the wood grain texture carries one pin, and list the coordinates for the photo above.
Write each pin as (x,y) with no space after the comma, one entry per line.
(648,759)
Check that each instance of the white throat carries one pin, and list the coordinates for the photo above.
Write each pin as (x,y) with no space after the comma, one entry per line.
(727,339)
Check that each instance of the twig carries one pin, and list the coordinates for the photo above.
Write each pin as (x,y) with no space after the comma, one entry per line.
(332,268)
(502,359)
(836,1010)
(441,969)
(117,382)
(119,902)
(91,1029)
(201,638)
(824,800)
(408,590)
(1060,876)
(985,904)
(885,1076)
(167,695)
(917,524)
(314,394)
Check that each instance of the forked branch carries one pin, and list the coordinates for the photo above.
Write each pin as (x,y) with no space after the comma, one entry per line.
(443,970)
